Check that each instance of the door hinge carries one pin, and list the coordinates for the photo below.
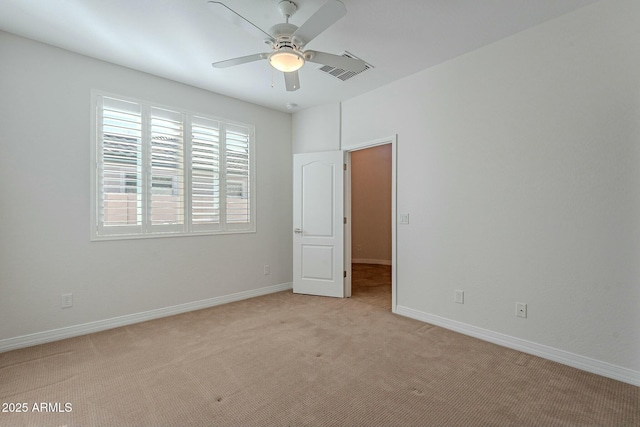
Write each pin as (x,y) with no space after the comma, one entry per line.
(345,219)
(345,274)
(345,166)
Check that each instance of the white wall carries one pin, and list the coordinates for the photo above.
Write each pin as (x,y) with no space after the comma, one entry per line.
(519,166)
(317,129)
(44,186)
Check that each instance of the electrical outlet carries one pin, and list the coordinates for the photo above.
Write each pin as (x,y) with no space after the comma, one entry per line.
(267,269)
(458,296)
(521,309)
(66,300)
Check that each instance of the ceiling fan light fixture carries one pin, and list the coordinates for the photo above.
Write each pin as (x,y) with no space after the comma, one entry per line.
(286,60)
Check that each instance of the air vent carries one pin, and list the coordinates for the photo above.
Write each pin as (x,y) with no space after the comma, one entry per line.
(341,74)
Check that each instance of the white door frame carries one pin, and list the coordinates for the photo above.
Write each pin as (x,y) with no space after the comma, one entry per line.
(348,149)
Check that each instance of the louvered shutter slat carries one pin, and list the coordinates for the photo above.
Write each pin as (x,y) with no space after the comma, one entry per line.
(167,170)
(119,171)
(205,170)
(237,175)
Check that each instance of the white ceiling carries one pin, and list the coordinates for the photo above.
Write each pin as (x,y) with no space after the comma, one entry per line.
(178,39)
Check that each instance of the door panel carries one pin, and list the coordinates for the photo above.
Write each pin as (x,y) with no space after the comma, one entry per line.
(317,262)
(318,227)
(318,199)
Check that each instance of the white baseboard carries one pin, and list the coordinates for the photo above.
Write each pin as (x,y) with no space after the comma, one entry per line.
(370,261)
(101,325)
(566,358)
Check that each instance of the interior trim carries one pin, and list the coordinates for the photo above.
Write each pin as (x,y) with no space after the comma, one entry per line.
(129,319)
(561,356)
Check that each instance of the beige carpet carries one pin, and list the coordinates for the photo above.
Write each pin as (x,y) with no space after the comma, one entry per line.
(294,360)
(371,284)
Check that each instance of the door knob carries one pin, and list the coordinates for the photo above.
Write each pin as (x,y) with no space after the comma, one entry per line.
(297,231)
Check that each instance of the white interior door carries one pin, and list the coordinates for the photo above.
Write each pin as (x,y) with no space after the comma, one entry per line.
(318,211)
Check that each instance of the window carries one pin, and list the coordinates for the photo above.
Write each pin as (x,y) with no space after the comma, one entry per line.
(159,171)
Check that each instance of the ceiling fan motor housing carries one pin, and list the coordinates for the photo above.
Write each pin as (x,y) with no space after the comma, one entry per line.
(283,33)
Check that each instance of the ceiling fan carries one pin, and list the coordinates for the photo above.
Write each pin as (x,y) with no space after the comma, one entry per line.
(287,41)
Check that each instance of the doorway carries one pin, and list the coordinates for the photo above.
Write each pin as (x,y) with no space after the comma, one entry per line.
(370,208)
(321,243)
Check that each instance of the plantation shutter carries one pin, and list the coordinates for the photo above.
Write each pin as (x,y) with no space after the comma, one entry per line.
(119,166)
(166,195)
(205,174)
(160,171)
(237,177)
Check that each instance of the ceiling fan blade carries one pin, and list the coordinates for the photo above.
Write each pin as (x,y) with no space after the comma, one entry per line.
(241,60)
(324,17)
(235,18)
(337,61)
(292,81)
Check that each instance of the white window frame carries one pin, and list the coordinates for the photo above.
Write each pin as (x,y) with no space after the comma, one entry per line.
(145,230)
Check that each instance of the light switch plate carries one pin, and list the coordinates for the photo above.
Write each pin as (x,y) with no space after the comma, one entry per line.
(404,218)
